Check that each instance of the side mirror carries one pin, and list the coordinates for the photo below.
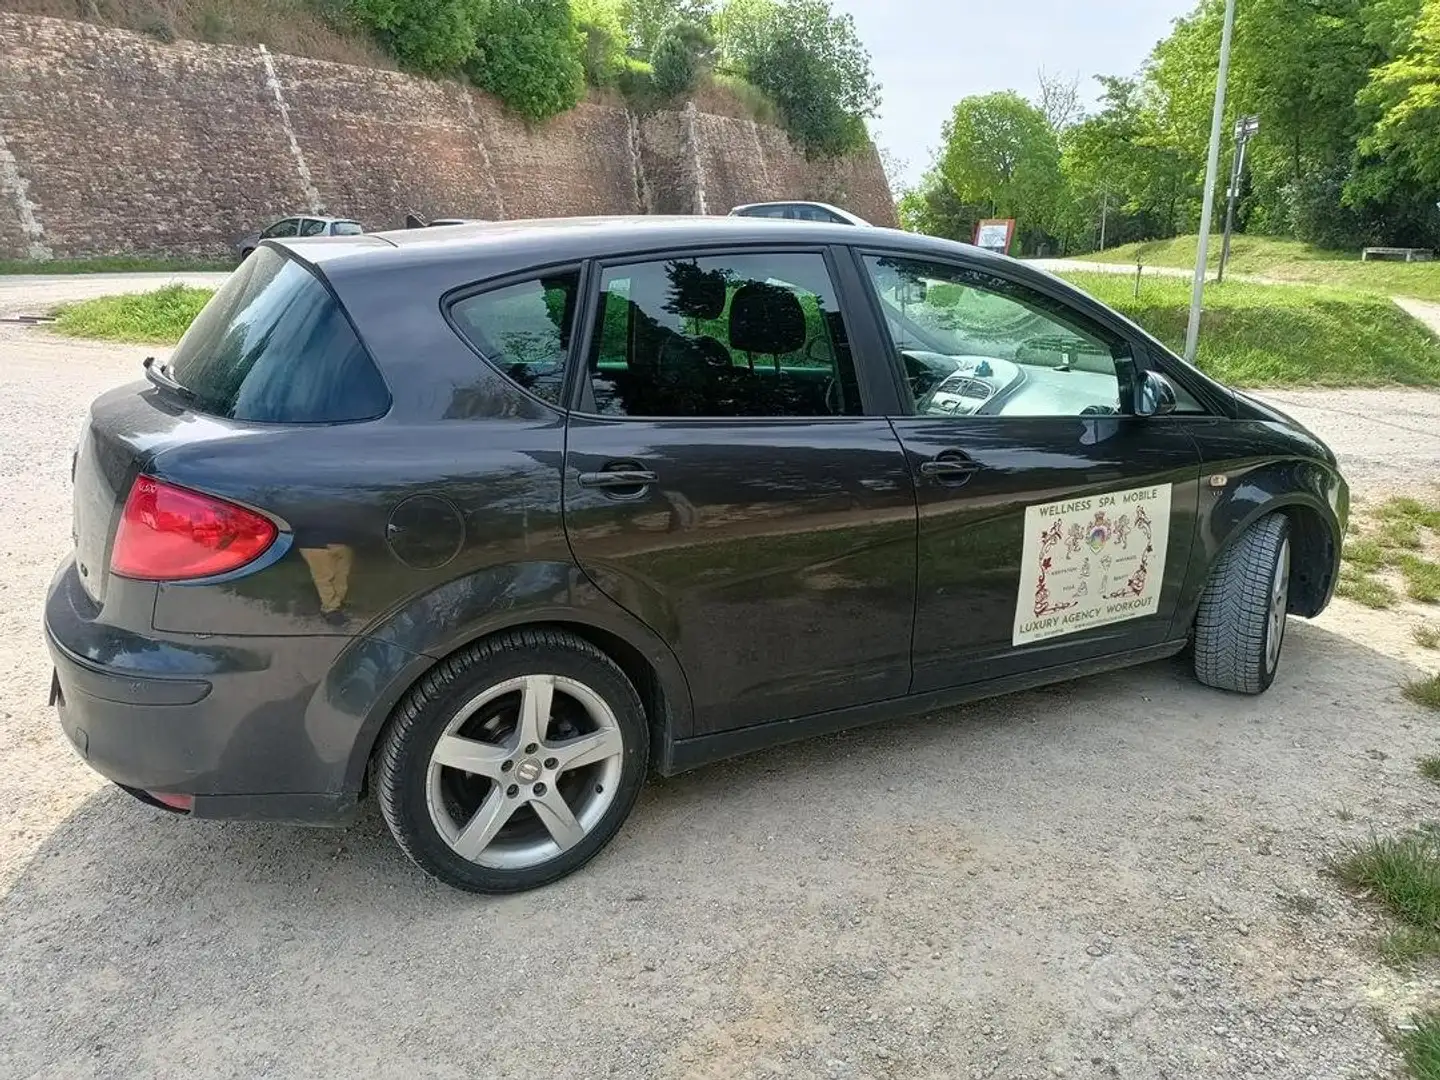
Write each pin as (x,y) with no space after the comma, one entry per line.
(1154,396)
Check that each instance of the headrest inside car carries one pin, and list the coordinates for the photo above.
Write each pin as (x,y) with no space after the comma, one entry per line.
(766,319)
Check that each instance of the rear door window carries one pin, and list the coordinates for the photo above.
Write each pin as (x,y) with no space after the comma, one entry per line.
(312,227)
(274,346)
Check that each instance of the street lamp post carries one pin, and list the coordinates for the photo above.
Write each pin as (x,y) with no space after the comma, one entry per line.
(1212,167)
(1245,128)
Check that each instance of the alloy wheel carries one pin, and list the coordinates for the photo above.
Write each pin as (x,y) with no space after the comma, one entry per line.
(524,771)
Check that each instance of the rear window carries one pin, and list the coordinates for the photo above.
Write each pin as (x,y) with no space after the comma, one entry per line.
(273,346)
(347,228)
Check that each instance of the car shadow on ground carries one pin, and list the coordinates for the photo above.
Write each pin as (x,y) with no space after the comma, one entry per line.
(1004,832)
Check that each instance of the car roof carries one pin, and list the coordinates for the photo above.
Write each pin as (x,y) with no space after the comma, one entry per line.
(482,249)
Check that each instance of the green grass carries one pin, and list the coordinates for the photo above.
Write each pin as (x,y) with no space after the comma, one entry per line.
(1409,510)
(1421,1047)
(113,264)
(157,317)
(1426,636)
(1401,533)
(1289,261)
(1422,579)
(1424,692)
(1364,589)
(1403,874)
(1273,335)
(1367,556)
(1430,767)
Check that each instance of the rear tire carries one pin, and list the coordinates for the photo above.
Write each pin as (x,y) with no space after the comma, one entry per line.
(514,762)
(1240,626)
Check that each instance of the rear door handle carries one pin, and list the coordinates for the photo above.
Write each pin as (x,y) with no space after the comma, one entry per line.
(617,478)
(950,464)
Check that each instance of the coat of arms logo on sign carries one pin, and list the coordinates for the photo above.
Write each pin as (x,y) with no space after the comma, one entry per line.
(1091,561)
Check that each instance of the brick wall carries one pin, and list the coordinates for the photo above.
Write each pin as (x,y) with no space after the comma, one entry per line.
(116,143)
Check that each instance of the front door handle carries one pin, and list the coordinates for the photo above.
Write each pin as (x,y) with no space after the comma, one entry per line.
(950,465)
(617,478)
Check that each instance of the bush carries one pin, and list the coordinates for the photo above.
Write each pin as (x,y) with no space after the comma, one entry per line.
(432,36)
(675,63)
(1316,214)
(529,55)
(810,62)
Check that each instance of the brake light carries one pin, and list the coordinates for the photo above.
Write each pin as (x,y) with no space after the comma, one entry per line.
(170,533)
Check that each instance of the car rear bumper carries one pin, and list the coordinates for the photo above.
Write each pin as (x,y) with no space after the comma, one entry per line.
(251,727)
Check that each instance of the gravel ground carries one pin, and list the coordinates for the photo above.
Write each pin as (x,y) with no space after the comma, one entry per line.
(1122,876)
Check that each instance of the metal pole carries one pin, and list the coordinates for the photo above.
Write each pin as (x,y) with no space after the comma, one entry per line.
(1207,211)
(1239,171)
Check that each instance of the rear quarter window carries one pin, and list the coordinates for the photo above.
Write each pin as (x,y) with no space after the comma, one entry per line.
(274,346)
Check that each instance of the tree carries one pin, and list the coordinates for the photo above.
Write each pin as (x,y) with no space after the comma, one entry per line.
(645,21)
(680,55)
(999,152)
(934,209)
(1406,94)
(810,62)
(430,36)
(528,54)
(1059,101)
(605,39)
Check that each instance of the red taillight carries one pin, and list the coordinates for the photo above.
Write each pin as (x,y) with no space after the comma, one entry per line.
(169,533)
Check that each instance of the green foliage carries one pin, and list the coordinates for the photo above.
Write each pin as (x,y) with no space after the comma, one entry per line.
(645,21)
(431,36)
(1424,692)
(810,62)
(529,55)
(601,23)
(1265,335)
(999,153)
(933,208)
(157,317)
(1406,95)
(679,56)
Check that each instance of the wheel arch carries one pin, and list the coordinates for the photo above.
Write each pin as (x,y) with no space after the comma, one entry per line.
(1315,537)
(643,656)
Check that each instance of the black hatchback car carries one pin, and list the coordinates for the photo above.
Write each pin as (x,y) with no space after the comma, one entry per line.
(488,523)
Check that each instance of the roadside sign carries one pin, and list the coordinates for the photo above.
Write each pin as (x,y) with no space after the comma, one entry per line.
(995,234)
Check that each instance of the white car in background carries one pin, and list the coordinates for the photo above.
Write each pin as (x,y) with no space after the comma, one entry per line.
(799,211)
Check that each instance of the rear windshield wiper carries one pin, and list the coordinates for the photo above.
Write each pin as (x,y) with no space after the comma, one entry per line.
(160,376)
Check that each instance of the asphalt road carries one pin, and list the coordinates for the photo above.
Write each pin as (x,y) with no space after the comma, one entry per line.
(1123,876)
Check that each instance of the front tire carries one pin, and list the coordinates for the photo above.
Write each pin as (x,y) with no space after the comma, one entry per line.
(1240,626)
(514,762)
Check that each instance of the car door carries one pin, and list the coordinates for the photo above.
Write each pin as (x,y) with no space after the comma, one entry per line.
(725,482)
(1055,525)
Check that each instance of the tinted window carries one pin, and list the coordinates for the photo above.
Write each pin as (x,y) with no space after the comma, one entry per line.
(724,336)
(312,227)
(971,343)
(347,228)
(274,346)
(287,227)
(524,330)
